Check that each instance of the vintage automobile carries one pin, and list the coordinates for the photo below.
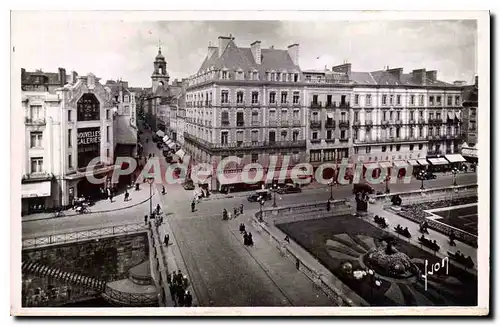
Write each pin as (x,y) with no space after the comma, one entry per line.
(265,194)
(289,189)
(362,188)
(188,184)
(426,176)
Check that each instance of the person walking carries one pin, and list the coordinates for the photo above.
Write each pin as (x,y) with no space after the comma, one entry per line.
(241,209)
(158,209)
(145,219)
(188,299)
(111,197)
(235,212)
(193,206)
(126,195)
(229,215)
(166,239)
(163,190)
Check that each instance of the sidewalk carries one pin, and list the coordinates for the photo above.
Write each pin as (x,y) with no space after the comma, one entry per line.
(101,206)
(294,285)
(442,240)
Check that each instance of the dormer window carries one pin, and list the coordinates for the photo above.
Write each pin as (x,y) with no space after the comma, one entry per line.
(255,75)
(240,75)
(224,75)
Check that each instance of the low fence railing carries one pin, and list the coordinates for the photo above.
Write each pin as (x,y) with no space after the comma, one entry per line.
(159,268)
(413,196)
(281,214)
(83,235)
(130,299)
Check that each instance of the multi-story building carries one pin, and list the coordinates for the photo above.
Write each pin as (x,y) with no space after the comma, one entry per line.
(246,102)
(469,124)
(66,128)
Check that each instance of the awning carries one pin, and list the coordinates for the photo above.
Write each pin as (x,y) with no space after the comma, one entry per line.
(413,162)
(437,161)
(35,189)
(329,115)
(171,145)
(385,165)
(422,161)
(180,153)
(455,158)
(401,164)
(160,133)
(457,115)
(469,152)
(277,176)
(451,115)
(227,178)
(168,142)
(371,166)
(165,139)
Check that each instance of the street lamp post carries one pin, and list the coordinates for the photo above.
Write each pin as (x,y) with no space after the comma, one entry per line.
(422,175)
(387,178)
(261,203)
(454,171)
(275,189)
(150,181)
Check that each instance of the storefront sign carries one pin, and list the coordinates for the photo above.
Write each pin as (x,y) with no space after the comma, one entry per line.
(89,145)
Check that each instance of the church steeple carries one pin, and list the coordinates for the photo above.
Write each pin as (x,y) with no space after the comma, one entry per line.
(160,75)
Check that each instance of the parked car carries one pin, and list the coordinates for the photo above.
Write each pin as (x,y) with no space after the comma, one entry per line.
(426,176)
(159,145)
(289,189)
(362,188)
(266,194)
(188,185)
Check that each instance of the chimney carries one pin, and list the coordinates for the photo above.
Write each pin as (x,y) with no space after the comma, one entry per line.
(396,72)
(62,76)
(73,75)
(419,76)
(293,52)
(431,75)
(343,68)
(223,42)
(255,47)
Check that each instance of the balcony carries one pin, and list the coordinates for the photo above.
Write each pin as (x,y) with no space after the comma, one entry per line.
(240,103)
(34,121)
(356,123)
(344,105)
(315,124)
(225,104)
(284,104)
(330,125)
(273,123)
(398,122)
(256,123)
(343,140)
(368,123)
(297,123)
(412,122)
(316,140)
(330,140)
(296,104)
(435,121)
(37,176)
(224,123)
(284,123)
(385,122)
(315,105)
(240,123)
(272,103)
(330,105)
(255,104)
(344,124)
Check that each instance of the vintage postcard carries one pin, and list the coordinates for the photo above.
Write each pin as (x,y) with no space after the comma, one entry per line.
(258,163)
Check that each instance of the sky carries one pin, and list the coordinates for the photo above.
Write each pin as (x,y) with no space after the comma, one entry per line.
(113,48)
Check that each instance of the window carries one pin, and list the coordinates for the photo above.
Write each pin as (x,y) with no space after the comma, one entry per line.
(457,100)
(272,116)
(255,97)
(398,148)
(420,146)
(391,100)
(224,137)
(342,134)
(296,115)
(329,134)
(315,135)
(272,97)
(107,115)
(398,99)
(390,148)
(438,100)
(36,165)
(431,100)
(36,139)
(224,117)
(126,109)
(308,78)
(398,115)
(390,115)
(421,114)
(296,97)
(272,136)
(126,99)
(356,99)
(224,75)
(315,99)
(355,134)
(283,135)
(107,133)
(255,75)
(295,77)
(420,131)
(384,148)
(329,155)
(369,116)
(239,97)
(449,101)
(239,136)
(69,115)
(315,156)
(368,100)
(239,119)
(283,97)
(295,135)
(255,136)
(356,116)
(224,97)
(368,150)
(273,76)
(411,147)
(421,100)
(255,117)
(438,116)
(315,117)
(384,99)
(70,138)
(88,108)
(255,158)
(343,116)
(35,112)
(70,161)
(412,99)
(240,75)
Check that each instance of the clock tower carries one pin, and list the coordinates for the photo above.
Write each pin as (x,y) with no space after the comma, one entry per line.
(160,75)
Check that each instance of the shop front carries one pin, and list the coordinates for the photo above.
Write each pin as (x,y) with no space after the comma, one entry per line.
(470,153)
(456,160)
(35,197)
(438,164)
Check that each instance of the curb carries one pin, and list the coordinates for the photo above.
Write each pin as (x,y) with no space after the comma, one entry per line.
(91,213)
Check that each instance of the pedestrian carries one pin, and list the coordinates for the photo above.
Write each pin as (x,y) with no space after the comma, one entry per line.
(250,239)
(166,239)
(169,279)
(185,281)
(126,195)
(193,206)
(241,209)
(173,291)
(111,198)
(163,191)
(328,206)
(245,238)
(287,239)
(174,277)
(180,296)
(145,219)
(179,277)
(158,209)
(188,299)
(137,186)
(242,228)
(224,214)
(229,215)
(235,212)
